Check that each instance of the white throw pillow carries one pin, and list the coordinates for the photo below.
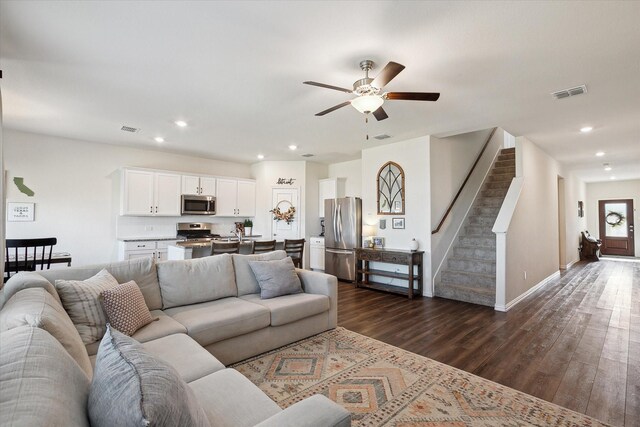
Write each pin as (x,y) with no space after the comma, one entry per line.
(80,299)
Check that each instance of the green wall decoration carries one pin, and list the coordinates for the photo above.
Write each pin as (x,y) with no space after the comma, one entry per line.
(19,182)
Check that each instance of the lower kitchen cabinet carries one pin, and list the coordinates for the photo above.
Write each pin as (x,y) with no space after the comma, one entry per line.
(316,253)
(156,249)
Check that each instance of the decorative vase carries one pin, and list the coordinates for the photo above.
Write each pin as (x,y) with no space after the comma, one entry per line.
(413,245)
(248,231)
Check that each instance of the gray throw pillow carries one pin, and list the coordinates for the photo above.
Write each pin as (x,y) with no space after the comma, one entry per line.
(131,387)
(276,278)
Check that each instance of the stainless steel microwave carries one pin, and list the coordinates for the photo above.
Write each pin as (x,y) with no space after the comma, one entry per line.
(193,204)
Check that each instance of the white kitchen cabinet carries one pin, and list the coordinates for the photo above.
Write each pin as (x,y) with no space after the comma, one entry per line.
(148,193)
(316,253)
(156,249)
(235,197)
(330,188)
(202,185)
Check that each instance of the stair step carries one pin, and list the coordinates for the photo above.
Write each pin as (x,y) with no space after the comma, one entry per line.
(493,185)
(486,210)
(478,242)
(489,201)
(501,177)
(511,150)
(472,265)
(511,157)
(504,169)
(508,163)
(477,252)
(498,192)
(486,221)
(478,230)
(466,278)
(466,294)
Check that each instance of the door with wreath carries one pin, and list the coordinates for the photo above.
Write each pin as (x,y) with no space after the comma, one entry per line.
(616,227)
(285,201)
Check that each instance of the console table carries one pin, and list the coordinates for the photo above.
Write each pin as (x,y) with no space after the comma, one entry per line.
(392,256)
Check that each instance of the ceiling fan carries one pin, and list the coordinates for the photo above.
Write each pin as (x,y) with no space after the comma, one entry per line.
(369,93)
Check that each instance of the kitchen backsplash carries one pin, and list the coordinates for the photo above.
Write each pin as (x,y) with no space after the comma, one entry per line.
(133,226)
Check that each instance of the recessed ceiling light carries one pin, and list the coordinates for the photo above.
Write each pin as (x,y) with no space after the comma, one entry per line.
(600,153)
(181,123)
(260,156)
(586,129)
(612,177)
(607,166)
(293,147)
(158,139)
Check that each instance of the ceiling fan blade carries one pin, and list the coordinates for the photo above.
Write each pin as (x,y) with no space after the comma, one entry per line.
(413,96)
(341,89)
(387,74)
(334,108)
(380,114)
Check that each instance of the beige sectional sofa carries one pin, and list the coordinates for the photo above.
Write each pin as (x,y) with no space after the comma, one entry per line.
(210,315)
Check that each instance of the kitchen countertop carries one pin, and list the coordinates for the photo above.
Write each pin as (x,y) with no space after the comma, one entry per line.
(146,239)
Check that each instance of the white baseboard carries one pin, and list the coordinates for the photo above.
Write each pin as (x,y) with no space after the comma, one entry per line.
(531,290)
(568,266)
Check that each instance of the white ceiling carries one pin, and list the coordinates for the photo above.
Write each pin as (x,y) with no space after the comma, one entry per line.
(234,71)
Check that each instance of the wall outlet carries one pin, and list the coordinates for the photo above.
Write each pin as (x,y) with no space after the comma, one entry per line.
(525,275)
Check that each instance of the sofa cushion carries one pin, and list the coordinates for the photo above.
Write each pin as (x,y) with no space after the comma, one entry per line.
(80,299)
(245,279)
(276,278)
(231,400)
(27,280)
(36,307)
(132,387)
(214,321)
(41,383)
(185,355)
(125,308)
(142,270)
(196,280)
(290,308)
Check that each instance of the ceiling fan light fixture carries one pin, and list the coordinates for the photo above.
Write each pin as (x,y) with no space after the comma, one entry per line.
(367,103)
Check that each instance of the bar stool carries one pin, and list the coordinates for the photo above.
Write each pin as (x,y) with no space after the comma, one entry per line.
(263,246)
(218,248)
(295,249)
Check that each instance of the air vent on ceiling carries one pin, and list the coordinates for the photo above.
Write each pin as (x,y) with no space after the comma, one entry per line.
(573,91)
(129,129)
(382,136)
(308,155)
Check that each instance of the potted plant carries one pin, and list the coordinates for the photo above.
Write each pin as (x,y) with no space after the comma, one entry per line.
(248,226)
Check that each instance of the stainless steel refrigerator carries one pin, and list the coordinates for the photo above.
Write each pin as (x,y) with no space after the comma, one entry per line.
(343,233)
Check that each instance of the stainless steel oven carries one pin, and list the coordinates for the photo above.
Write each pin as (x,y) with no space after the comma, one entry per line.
(193,204)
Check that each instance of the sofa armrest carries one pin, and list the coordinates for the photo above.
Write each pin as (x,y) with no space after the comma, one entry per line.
(315,411)
(314,282)
(26,280)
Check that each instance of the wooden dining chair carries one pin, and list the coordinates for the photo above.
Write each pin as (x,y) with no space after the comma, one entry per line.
(295,249)
(27,254)
(263,246)
(218,248)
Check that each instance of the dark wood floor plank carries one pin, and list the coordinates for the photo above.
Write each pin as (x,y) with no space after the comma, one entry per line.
(575,342)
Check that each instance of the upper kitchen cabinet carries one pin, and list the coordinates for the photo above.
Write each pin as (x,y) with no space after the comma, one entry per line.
(235,197)
(202,185)
(149,193)
(330,188)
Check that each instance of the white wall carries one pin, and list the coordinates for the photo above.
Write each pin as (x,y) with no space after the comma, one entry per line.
(629,189)
(574,191)
(532,241)
(77,193)
(413,156)
(352,172)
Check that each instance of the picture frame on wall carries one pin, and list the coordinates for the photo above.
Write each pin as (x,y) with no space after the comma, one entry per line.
(21,211)
(398,223)
(580,209)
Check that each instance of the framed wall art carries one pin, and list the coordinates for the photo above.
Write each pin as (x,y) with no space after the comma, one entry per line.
(398,223)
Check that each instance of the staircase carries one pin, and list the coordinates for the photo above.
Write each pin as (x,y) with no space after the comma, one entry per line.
(470,274)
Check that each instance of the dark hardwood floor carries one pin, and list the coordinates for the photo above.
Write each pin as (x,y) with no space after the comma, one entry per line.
(576,342)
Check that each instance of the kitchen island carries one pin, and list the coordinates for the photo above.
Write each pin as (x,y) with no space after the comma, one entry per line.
(190,250)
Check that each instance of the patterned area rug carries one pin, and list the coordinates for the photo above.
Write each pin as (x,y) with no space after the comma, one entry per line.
(384,385)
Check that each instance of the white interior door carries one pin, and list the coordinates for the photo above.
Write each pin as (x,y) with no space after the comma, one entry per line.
(284,198)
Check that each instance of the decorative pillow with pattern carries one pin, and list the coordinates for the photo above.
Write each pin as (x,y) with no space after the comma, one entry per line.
(80,300)
(125,308)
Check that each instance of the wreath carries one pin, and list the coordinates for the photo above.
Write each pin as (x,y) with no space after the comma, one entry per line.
(614,219)
(279,215)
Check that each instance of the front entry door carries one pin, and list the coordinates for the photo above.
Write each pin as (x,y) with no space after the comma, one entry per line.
(616,227)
